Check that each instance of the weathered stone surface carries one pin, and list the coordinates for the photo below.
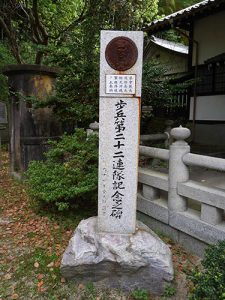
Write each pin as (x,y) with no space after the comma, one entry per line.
(211,215)
(140,260)
(156,209)
(190,223)
(178,171)
(118,172)
(119,123)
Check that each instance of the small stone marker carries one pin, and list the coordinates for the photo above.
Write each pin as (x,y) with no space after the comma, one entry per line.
(120,92)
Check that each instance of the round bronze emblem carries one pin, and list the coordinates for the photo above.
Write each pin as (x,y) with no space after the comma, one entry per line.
(121,53)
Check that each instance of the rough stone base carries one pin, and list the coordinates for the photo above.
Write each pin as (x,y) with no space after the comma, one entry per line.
(128,262)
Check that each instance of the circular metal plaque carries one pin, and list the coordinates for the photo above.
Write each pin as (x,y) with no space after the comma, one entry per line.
(121,53)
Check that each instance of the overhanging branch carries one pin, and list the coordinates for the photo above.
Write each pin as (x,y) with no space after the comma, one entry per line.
(12,40)
(76,22)
(38,23)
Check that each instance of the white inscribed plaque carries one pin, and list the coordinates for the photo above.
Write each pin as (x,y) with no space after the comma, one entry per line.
(118,164)
(105,69)
(120,84)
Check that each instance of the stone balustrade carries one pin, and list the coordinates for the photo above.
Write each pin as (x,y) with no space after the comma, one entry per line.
(156,137)
(213,163)
(190,212)
(165,199)
(154,152)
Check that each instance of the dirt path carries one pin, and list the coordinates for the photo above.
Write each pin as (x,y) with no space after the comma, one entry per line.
(31,246)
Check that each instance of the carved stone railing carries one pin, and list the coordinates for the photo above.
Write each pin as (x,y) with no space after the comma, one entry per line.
(167,198)
(156,137)
(191,212)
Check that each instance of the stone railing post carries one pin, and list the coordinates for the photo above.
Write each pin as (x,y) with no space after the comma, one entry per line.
(169,126)
(178,171)
(93,128)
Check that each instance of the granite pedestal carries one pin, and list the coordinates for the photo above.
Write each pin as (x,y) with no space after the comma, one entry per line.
(127,262)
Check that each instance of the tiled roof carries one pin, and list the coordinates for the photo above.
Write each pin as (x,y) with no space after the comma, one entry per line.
(177,47)
(187,13)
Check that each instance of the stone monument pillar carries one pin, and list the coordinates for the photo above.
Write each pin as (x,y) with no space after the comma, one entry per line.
(119,119)
(113,250)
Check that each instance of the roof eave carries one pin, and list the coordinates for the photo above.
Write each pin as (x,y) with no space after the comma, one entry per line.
(186,18)
(182,23)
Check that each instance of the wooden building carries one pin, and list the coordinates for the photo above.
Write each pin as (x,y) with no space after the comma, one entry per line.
(204,25)
(172,56)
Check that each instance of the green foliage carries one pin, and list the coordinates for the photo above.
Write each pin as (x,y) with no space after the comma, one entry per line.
(90,290)
(42,27)
(173,36)
(77,87)
(68,177)
(169,6)
(71,41)
(5,59)
(38,27)
(130,15)
(209,283)
(76,95)
(140,294)
(169,291)
(156,90)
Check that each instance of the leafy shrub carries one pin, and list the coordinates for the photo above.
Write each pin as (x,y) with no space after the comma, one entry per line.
(140,294)
(5,59)
(68,177)
(209,283)
(169,291)
(156,89)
